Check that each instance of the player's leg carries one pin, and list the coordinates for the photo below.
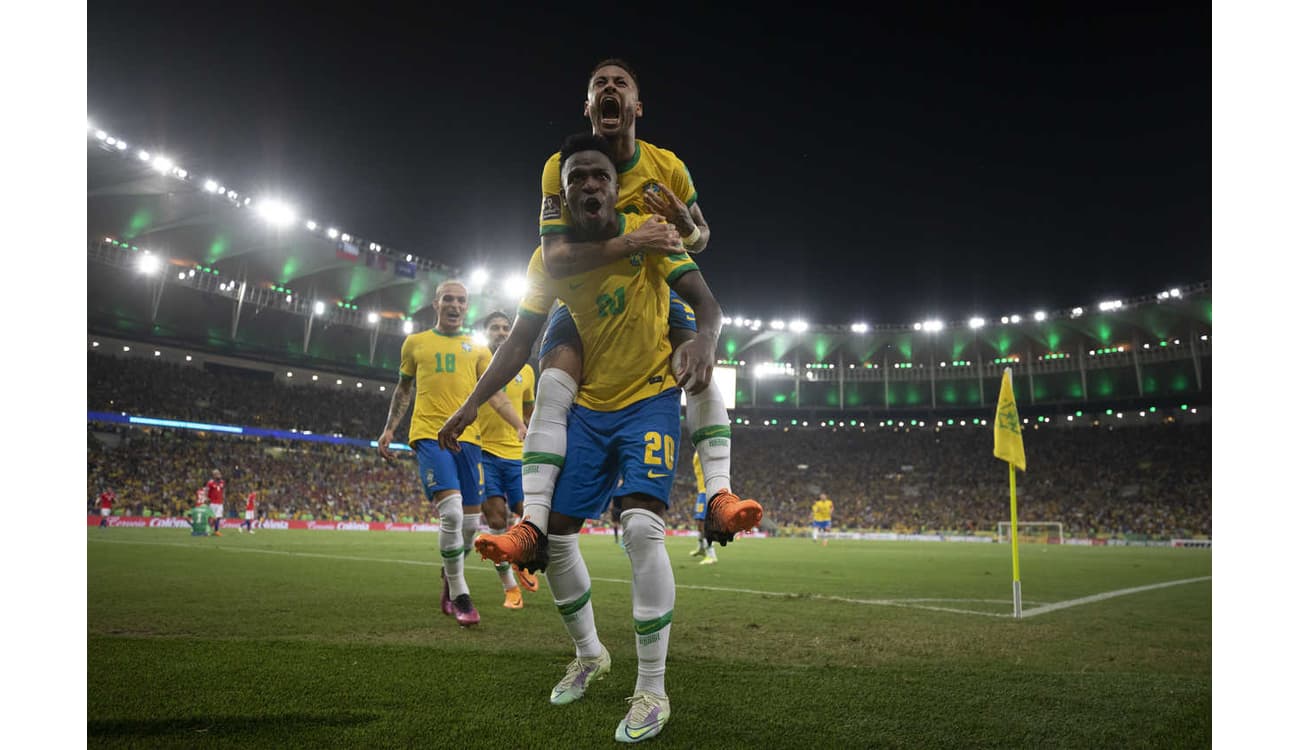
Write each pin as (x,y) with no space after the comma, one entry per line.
(103,517)
(582,491)
(701,507)
(647,438)
(616,520)
(441,482)
(496,515)
(469,474)
(710,428)
(545,446)
(217,511)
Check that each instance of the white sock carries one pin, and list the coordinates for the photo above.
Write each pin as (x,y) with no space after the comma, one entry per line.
(546,443)
(710,429)
(468,529)
(504,570)
(450,518)
(653,594)
(703,544)
(711,552)
(570,584)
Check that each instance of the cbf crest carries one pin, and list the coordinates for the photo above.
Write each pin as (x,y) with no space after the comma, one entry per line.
(466,346)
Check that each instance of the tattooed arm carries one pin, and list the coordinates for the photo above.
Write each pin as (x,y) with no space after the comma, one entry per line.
(402,395)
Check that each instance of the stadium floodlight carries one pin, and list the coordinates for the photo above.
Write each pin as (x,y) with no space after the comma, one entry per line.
(1040,316)
(1076,312)
(188,358)
(144,155)
(916,326)
(157,353)
(757,325)
(126,348)
(1109,305)
(332,233)
(1005,320)
(515,286)
(181,275)
(346,237)
(726,320)
(181,173)
(799,326)
(101,135)
(288,298)
(859,327)
(221,190)
(975,323)
(289,374)
(1015,319)
(408,326)
(1175,292)
(372,318)
(932,326)
(382,388)
(479,277)
(480,338)
(409,257)
(210,186)
(111,141)
(94,343)
(277,212)
(121,145)
(311,225)
(315,377)
(358,385)
(163,164)
(339,381)
(318,308)
(777,325)
(148,263)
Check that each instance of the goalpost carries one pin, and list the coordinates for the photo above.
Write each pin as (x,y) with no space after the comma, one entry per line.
(1042,532)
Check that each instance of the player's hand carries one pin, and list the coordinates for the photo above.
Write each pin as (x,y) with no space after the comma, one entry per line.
(693,364)
(655,236)
(384,440)
(662,201)
(522,432)
(455,425)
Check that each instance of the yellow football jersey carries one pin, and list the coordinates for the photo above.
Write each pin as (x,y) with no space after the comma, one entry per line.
(445,367)
(822,510)
(699,475)
(621,313)
(499,438)
(649,164)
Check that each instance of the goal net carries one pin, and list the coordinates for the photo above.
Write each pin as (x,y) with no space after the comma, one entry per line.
(1033,532)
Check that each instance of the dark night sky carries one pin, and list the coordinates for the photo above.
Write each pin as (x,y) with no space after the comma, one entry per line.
(853,166)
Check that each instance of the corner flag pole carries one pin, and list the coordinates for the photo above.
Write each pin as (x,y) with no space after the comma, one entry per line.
(1009,445)
(1015,549)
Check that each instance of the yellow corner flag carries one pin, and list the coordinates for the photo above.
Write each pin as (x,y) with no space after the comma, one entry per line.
(1008,443)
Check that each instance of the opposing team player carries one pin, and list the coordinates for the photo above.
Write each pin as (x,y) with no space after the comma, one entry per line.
(503,453)
(439,369)
(624,425)
(216,492)
(106,500)
(250,513)
(652,180)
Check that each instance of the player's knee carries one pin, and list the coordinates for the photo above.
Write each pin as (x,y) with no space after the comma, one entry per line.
(641,526)
(450,513)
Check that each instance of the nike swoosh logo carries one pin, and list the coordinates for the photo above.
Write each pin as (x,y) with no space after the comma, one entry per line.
(652,721)
(655,475)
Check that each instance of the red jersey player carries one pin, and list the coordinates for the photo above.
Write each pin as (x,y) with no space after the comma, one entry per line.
(216,489)
(106,500)
(250,512)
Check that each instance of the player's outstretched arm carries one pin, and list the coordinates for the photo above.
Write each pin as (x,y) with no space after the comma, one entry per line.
(564,258)
(694,359)
(396,410)
(506,363)
(501,402)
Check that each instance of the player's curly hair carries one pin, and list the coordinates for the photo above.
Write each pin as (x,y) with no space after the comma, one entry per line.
(585,142)
(618,62)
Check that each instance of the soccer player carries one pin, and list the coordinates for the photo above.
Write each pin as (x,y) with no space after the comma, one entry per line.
(199,525)
(503,454)
(216,492)
(705,547)
(250,513)
(439,368)
(821,513)
(106,500)
(624,425)
(651,179)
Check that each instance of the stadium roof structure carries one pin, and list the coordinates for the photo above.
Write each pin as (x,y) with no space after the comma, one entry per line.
(176,258)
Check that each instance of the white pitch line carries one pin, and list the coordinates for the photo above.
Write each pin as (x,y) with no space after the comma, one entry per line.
(905,603)
(1107,595)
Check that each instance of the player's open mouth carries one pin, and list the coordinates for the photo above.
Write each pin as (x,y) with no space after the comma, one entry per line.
(592,206)
(610,111)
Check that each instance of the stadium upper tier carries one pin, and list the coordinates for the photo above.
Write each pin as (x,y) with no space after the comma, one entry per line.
(177,259)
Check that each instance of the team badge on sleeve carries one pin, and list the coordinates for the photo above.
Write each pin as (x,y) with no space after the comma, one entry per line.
(550,207)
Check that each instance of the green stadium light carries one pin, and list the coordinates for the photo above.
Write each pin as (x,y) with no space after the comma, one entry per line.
(1153,409)
(1110,412)
(1078,414)
(1184,407)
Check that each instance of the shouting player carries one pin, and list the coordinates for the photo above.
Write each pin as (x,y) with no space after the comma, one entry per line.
(651,180)
(624,425)
(439,369)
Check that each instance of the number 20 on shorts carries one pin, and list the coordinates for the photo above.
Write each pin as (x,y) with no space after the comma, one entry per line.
(659,450)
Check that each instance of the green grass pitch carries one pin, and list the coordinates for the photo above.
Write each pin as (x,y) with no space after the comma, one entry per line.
(334,639)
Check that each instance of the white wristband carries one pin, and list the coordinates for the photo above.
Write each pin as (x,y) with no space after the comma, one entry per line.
(692,238)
